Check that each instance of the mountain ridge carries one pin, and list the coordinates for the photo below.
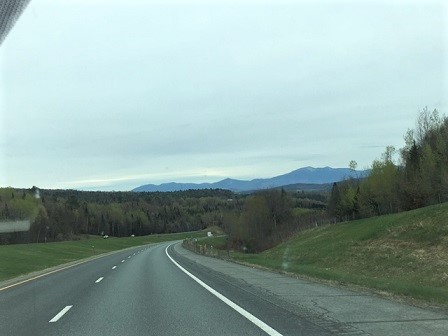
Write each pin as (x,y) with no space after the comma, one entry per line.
(306,176)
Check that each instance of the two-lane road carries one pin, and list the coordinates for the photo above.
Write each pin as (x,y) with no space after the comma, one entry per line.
(143,291)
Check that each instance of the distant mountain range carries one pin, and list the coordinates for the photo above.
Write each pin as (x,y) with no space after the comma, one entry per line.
(307,178)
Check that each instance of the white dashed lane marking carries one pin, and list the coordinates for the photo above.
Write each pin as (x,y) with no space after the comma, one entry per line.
(60,314)
(114,267)
(99,279)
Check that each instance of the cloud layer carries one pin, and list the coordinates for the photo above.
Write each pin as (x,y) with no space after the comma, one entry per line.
(113,97)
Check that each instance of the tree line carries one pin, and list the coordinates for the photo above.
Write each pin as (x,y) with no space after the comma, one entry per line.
(57,215)
(417,178)
(253,221)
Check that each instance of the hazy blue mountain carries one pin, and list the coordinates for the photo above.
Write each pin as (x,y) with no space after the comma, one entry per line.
(174,186)
(306,176)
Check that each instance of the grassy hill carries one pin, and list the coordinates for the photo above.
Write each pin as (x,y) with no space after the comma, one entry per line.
(405,253)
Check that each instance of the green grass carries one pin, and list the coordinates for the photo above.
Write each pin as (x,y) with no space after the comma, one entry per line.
(217,242)
(301,211)
(22,259)
(405,253)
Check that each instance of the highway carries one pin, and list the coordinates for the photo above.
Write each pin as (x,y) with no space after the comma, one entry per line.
(142,291)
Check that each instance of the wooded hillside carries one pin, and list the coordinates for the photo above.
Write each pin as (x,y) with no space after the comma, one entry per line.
(417,178)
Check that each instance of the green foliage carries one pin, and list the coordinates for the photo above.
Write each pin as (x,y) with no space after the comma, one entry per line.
(420,179)
(425,158)
(13,206)
(379,190)
(264,217)
(343,203)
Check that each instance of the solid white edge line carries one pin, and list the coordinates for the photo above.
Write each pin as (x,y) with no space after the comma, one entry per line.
(60,314)
(260,324)
(99,279)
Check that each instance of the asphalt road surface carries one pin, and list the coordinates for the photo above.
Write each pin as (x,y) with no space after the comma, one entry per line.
(144,291)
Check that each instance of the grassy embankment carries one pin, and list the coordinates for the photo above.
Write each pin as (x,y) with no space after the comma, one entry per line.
(404,254)
(21,259)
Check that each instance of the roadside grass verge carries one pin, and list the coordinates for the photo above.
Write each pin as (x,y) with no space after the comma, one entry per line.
(404,254)
(217,242)
(20,259)
(211,246)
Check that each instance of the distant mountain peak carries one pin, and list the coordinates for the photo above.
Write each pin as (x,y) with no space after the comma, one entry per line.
(308,168)
(306,176)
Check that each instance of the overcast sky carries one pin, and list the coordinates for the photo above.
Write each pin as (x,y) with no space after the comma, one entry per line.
(109,95)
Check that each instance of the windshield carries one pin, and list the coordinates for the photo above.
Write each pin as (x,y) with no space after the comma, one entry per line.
(306,139)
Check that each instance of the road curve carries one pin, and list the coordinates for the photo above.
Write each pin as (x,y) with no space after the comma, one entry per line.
(141,292)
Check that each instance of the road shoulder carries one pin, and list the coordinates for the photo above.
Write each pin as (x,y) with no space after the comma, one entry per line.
(357,312)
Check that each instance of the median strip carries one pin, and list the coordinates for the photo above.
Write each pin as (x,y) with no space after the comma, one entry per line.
(60,314)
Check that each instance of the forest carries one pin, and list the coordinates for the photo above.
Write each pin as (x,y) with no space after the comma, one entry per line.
(411,177)
(57,215)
